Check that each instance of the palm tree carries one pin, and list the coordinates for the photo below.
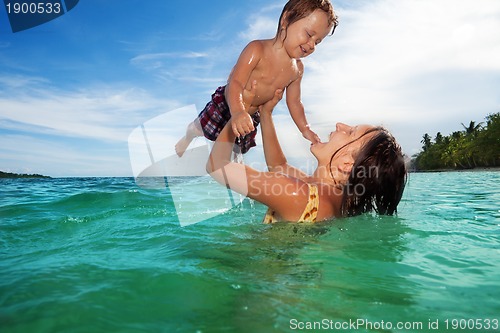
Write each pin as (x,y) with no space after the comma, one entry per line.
(475,145)
(472,129)
(439,138)
(426,141)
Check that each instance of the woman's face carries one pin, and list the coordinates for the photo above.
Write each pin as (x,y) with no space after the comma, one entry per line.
(349,139)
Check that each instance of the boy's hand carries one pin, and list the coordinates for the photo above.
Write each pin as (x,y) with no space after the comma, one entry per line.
(241,122)
(310,135)
(269,105)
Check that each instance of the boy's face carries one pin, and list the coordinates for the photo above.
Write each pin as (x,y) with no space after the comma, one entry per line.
(303,35)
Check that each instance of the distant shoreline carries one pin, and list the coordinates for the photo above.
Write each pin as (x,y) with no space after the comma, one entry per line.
(458,170)
(17,175)
(9,175)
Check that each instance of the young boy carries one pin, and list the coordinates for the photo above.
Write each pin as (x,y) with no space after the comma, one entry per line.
(274,64)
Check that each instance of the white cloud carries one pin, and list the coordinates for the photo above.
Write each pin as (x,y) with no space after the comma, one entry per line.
(185,67)
(95,113)
(57,158)
(263,24)
(260,28)
(408,62)
(414,66)
(85,132)
(20,81)
(151,56)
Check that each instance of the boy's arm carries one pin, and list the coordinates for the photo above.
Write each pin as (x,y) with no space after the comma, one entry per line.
(296,108)
(242,123)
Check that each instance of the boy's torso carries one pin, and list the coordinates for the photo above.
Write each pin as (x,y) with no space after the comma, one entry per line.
(272,72)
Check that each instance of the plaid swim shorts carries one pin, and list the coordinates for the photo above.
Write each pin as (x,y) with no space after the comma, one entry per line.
(216,114)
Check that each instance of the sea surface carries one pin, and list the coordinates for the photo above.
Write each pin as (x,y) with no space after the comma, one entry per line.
(105,255)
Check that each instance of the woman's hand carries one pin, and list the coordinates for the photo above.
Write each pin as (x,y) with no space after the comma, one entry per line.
(249,95)
(269,106)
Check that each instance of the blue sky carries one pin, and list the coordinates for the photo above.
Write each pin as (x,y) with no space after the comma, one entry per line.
(73,89)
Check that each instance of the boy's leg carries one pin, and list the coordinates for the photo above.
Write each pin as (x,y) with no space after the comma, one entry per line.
(193,130)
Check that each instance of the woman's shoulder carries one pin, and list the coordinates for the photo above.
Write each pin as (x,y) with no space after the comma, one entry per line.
(311,201)
(330,199)
(285,195)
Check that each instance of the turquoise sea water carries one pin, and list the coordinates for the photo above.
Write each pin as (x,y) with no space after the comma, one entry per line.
(103,255)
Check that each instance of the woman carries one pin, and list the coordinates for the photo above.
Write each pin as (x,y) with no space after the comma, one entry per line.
(360,169)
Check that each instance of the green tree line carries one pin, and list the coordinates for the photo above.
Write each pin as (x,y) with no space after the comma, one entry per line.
(16,175)
(477,145)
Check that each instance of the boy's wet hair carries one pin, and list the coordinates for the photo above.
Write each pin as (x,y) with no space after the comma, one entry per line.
(298,9)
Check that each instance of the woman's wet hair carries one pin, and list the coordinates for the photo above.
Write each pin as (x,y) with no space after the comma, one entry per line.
(377,179)
(295,10)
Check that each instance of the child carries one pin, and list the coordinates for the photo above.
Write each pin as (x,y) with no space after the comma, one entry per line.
(274,64)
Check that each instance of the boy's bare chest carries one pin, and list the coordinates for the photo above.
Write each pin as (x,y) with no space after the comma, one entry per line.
(271,77)
(280,74)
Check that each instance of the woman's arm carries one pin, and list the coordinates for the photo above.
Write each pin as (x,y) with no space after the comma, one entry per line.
(285,195)
(219,164)
(275,159)
(221,167)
